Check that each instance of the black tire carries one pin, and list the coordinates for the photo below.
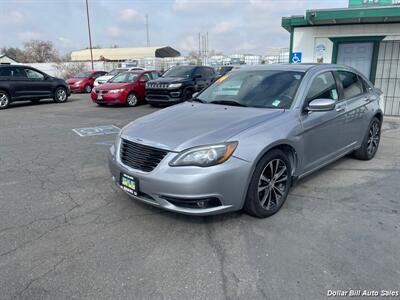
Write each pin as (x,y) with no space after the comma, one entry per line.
(5,100)
(101,104)
(371,140)
(132,100)
(60,95)
(88,88)
(267,193)
(187,95)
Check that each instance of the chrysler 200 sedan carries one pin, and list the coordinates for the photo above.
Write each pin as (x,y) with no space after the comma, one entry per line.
(244,141)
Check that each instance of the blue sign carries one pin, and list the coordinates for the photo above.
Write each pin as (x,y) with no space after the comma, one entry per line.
(295,57)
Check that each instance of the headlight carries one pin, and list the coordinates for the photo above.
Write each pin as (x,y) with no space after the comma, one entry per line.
(174,85)
(78,82)
(205,156)
(115,91)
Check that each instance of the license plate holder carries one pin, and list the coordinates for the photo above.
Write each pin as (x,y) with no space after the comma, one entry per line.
(129,184)
(99,97)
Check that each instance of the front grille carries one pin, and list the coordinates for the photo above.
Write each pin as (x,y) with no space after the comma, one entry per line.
(157,85)
(140,157)
(101,92)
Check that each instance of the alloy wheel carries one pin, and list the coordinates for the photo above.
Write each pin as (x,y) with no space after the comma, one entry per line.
(88,89)
(61,95)
(132,100)
(4,101)
(272,184)
(373,138)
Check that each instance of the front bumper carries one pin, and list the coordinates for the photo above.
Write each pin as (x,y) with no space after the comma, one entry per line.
(226,182)
(109,98)
(158,96)
(75,88)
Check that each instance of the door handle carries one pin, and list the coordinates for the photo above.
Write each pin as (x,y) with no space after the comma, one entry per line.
(340,109)
(366,99)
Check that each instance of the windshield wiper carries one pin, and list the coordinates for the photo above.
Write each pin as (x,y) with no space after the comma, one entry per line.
(228,102)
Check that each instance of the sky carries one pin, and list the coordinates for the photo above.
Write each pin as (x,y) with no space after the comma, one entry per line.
(234,26)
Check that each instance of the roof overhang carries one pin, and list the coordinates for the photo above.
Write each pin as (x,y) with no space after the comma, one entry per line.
(343,16)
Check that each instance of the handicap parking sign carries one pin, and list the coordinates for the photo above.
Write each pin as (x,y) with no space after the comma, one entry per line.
(295,57)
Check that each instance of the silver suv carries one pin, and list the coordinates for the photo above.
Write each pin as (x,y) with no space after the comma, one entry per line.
(244,141)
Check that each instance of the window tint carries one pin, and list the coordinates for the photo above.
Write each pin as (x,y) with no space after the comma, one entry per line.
(146,76)
(204,72)
(155,75)
(266,88)
(352,86)
(18,72)
(32,74)
(5,72)
(323,87)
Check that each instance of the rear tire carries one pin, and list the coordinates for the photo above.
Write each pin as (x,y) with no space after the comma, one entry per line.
(371,140)
(4,100)
(269,185)
(60,95)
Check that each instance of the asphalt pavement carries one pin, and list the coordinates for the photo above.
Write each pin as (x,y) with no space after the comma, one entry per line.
(66,232)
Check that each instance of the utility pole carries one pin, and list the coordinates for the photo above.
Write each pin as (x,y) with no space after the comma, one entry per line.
(90,36)
(147,31)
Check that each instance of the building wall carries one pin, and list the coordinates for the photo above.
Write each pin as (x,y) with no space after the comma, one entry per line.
(305,39)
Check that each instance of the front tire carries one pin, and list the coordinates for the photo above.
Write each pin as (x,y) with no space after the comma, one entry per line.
(187,95)
(4,100)
(132,100)
(370,143)
(88,88)
(60,95)
(269,185)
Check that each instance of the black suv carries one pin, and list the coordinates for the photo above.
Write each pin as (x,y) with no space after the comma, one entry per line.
(21,83)
(178,84)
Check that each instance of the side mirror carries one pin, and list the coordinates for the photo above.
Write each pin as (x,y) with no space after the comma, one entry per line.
(321,105)
(143,80)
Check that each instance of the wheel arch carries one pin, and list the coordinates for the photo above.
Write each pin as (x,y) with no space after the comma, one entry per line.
(379,115)
(286,147)
(7,92)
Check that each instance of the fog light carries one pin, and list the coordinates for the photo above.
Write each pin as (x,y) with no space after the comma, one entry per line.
(201,204)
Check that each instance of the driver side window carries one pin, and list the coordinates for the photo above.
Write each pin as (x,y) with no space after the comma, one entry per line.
(323,87)
(31,74)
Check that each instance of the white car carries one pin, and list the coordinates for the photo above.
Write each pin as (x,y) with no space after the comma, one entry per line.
(111,74)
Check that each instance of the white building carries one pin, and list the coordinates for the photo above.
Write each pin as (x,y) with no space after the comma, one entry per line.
(366,36)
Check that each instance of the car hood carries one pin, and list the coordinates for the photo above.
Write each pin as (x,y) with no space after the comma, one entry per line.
(73,80)
(111,86)
(169,79)
(193,124)
(104,78)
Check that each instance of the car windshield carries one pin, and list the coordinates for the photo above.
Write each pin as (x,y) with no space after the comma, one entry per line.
(83,74)
(124,77)
(179,72)
(259,88)
(116,71)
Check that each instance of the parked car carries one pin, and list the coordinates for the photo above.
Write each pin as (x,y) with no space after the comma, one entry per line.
(111,74)
(178,84)
(83,82)
(22,83)
(243,142)
(125,88)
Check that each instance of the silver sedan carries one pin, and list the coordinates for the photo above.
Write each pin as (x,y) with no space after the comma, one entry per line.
(245,140)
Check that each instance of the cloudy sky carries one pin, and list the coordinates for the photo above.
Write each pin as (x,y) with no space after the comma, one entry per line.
(248,26)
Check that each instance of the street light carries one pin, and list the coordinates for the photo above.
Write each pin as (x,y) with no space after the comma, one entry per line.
(90,36)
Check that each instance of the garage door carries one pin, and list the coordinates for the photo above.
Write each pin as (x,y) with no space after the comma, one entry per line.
(388,76)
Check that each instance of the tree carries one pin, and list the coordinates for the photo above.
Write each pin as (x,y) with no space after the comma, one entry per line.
(38,51)
(14,53)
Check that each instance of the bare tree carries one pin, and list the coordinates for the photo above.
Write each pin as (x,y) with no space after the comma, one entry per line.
(41,51)
(14,53)
(68,70)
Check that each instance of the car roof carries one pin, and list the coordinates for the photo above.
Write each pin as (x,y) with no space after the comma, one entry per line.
(304,67)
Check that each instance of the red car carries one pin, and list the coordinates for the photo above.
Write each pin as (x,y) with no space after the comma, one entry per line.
(125,88)
(83,82)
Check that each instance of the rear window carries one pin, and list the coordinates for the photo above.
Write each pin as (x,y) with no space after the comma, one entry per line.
(5,72)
